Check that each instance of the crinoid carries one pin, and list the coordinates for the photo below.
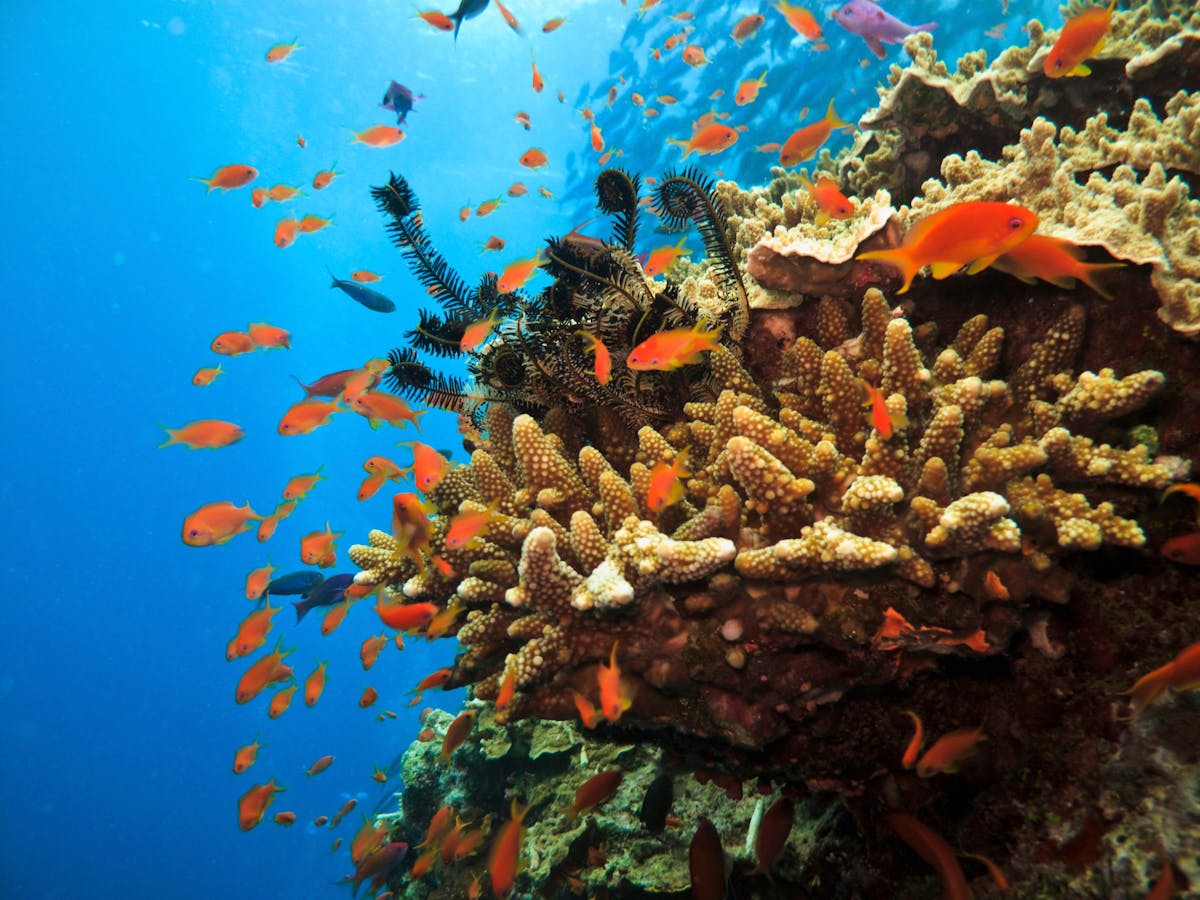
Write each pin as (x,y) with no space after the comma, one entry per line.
(536,358)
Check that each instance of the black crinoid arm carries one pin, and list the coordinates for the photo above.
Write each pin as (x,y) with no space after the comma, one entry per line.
(691,196)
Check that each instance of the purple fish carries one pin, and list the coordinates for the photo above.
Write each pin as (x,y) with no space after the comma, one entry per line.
(399,100)
(875,26)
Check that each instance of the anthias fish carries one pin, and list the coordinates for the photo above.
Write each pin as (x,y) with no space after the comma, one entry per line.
(372,300)
(875,25)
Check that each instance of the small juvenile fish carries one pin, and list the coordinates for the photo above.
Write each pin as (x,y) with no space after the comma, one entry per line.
(365,296)
(207,375)
(875,26)
(280,52)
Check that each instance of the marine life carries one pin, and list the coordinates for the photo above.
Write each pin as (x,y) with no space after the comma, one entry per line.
(207,375)
(263,673)
(773,833)
(804,143)
(656,804)
(286,230)
(217,523)
(325,177)
(875,25)
(671,349)
(509,19)
(747,91)
(1055,261)
(915,743)
(709,138)
(405,616)
(371,299)
(831,202)
(1182,673)
(399,100)
(517,273)
(368,698)
(456,734)
(603,359)
(706,863)
(295,583)
(233,343)
(371,648)
(477,332)
(660,259)
(615,695)
(269,336)
(252,805)
(948,751)
(251,633)
(505,855)
(593,792)
(317,548)
(665,487)
(1082,37)
(972,234)
(305,416)
(314,684)
(747,27)
(279,52)
(280,701)
(379,406)
(298,486)
(438,20)
(328,592)
(245,756)
(229,178)
(467,9)
(533,158)
(319,766)
(365,276)
(379,136)
(204,434)
(311,223)
(800,19)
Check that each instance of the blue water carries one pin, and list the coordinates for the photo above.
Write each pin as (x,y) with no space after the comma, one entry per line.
(117,716)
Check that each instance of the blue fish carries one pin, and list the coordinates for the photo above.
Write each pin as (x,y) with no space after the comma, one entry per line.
(467,9)
(364,295)
(330,591)
(295,583)
(399,100)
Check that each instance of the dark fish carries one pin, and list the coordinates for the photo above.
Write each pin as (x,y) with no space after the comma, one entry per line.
(706,863)
(330,591)
(399,100)
(657,803)
(364,295)
(295,582)
(327,385)
(467,9)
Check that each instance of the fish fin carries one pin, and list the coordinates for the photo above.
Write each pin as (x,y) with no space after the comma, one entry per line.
(978,265)
(1087,277)
(928,26)
(941,270)
(898,259)
(876,46)
(1066,282)
(822,217)
(1079,71)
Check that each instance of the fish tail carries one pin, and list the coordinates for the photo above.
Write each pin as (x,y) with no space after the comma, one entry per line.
(835,121)
(1087,276)
(898,259)
(928,26)
(301,609)
(306,388)
(171,438)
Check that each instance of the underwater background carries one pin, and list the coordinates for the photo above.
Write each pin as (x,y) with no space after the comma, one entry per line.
(117,712)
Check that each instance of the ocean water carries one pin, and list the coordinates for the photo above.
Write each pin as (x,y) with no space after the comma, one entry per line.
(117,714)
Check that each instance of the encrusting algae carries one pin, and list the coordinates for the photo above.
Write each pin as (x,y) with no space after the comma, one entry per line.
(946,510)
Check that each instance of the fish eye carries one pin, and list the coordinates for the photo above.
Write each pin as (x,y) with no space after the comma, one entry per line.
(1015,222)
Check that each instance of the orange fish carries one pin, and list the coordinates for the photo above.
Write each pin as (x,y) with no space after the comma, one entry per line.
(378,406)
(306,416)
(509,18)
(281,193)
(207,375)
(1182,672)
(334,616)
(456,733)
(314,684)
(440,623)
(281,701)
(466,526)
(429,466)
(217,523)
(802,21)
(773,832)
(505,857)
(553,24)
(246,756)
(747,91)
(286,819)
(538,82)
(363,276)
(545,192)
(251,633)
(669,350)
(516,273)
(369,487)
(371,648)
(932,848)
(914,745)
(1082,37)
(881,421)
(522,119)
(383,467)
(693,55)
(311,223)
(411,526)
(379,775)
(666,482)
(747,27)
(319,766)
(405,616)
(368,698)
(264,672)
(279,52)
(593,792)
(971,234)
(994,587)
(533,158)
(493,243)
(438,20)
(831,202)
(661,259)
(771,147)
(232,343)
(464,214)
(325,177)
(258,196)
(603,365)
(508,687)
(439,825)
(228,178)
(298,486)
(488,207)
(252,805)
(478,332)
(317,548)
(204,434)
(379,136)
(615,697)
(270,337)
(1053,260)
(708,139)
(285,232)
(948,751)
(597,139)
(804,143)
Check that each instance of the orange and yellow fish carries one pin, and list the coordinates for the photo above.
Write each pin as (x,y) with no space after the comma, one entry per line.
(232,343)
(466,526)
(314,684)
(804,143)
(204,434)
(252,805)
(669,350)
(831,202)
(517,273)
(263,673)
(603,362)
(708,139)
(1082,37)
(615,696)
(505,857)
(1182,673)
(324,178)
(379,136)
(280,52)
(231,177)
(251,633)
(246,756)
(803,22)
(317,548)
(478,332)
(207,375)
(747,91)
(662,258)
(948,751)
(666,482)
(1053,260)
(217,523)
(972,234)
